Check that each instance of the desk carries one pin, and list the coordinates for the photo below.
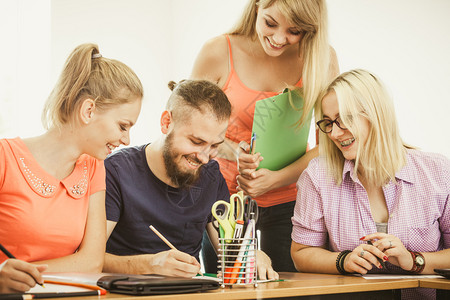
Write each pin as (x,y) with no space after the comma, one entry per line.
(295,284)
(435,283)
(442,287)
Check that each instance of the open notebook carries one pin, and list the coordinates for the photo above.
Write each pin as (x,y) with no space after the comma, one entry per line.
(67,285)
(122,283)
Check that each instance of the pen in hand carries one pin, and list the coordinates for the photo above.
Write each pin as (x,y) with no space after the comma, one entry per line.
(7,253)
(166,241)
(252,143)
(379,259)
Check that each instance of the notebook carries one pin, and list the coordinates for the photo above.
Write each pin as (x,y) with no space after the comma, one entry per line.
(278,139)
(155,284)
(443,272)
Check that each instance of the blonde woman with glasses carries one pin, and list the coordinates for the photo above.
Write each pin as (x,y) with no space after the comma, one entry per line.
(369,203)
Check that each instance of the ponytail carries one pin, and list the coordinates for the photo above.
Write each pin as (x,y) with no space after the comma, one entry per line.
(87,74)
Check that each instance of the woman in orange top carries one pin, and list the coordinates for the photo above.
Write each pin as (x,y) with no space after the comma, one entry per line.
(52,187)
(276,43)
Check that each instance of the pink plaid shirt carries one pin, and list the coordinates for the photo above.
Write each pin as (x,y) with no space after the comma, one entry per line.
(337,216)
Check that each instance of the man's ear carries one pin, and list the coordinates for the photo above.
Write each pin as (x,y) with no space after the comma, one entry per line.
(87,110)
(166,120)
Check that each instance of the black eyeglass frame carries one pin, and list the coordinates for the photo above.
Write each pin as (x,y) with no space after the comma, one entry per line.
(337,121)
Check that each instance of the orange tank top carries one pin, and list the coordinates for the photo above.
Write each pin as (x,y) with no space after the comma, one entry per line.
(243,101)
(42,217)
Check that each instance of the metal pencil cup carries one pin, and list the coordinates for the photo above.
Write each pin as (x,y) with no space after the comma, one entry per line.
(237,261)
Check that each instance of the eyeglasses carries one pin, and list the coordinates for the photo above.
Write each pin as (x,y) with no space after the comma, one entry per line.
(326,125)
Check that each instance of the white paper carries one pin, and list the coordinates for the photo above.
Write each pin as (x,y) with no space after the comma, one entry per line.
(86,278)
(397,276)
(56,288)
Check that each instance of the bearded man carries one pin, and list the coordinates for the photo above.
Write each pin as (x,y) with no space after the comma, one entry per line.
(171,184)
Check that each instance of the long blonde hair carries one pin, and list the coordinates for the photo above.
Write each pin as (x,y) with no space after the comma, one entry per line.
(87,74)
(310,16)
(361,94)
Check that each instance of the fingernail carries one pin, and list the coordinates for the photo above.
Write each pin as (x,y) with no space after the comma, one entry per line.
(386,258)
(362,238)
(380,267)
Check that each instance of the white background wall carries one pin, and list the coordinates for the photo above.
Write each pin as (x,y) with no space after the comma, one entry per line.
(405,42)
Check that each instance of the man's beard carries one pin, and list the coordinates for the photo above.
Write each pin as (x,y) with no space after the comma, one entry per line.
(180,178)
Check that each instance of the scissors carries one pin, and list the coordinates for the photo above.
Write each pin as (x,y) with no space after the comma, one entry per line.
(250,209)
(237,213)
(222,216)
(237,207)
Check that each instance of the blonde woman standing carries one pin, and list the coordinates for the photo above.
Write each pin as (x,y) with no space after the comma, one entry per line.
(275,44)
(52,187)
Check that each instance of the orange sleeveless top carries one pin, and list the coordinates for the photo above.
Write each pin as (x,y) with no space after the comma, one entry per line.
(243,101)
(42,217)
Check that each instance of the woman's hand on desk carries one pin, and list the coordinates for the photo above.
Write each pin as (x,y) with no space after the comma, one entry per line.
(385,247)
(265,270)
(19,276)
(174,263)
(393,248)
(363,258)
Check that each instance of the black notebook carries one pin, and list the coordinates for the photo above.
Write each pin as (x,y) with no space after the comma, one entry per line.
(443,272)
(155,284)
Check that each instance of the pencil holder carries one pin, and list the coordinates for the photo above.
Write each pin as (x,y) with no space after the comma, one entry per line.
(237,261)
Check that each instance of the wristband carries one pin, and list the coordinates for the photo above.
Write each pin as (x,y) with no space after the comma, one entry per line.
(340,261)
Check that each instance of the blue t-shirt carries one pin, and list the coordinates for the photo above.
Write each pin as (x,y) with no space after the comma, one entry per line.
(136,199)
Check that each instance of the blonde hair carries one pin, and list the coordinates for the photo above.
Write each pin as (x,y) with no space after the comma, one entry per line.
(360,94)
(87,74)
(310,16)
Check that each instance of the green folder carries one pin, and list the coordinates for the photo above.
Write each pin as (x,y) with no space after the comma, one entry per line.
(278,137)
